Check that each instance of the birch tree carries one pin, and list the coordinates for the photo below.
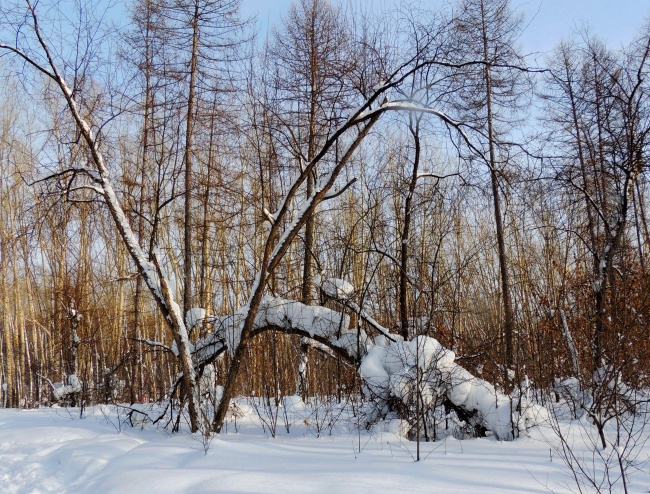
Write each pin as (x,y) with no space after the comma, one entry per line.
(33,48)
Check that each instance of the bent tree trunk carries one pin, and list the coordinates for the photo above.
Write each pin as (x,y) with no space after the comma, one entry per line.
(386,366)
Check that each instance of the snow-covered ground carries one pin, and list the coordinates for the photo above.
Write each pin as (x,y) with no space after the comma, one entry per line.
(52,450)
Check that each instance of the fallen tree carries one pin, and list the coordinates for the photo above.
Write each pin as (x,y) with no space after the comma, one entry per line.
(395,373)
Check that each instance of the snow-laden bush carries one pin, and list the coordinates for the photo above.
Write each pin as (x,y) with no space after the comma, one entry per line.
(67,394)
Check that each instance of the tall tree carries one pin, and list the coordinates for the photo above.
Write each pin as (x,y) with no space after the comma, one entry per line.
(206,35)
(313,53)
(599,101)
(312,49)
(489,96)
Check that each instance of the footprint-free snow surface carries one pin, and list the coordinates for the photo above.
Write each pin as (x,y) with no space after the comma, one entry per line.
(53,450)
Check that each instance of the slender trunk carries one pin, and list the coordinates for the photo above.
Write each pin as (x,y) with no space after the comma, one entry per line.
(23,357)
(5,342)
(600,262)
(310,226)
(32,346)
(644,221)
(637,228)
(508,315)
(189,129)
(308,262)
(204,270)
(404,244)
(137,379)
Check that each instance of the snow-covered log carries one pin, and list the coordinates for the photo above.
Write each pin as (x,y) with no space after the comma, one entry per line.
(323,325)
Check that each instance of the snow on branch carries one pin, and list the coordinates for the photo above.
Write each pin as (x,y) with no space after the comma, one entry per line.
(341,291)
(321,324)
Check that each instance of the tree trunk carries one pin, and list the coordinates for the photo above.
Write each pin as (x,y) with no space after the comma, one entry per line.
(188,288)
(404,240)
(508,315)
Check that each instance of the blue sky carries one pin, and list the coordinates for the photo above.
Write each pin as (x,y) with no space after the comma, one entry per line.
(615,21)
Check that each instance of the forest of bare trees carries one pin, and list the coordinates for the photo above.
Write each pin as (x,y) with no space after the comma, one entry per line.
(166,176)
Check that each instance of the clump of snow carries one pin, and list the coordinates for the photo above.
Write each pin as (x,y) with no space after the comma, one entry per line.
(63,392)
(194,317)
(314,321)
(398,427)
(337,288)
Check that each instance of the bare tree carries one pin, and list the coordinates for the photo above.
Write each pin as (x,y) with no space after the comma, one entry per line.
(39,56)
(488,98)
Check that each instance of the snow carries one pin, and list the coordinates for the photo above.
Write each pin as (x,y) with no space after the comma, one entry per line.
(194,317)
(293,403)
(62,391)
(338,289)
(342,291)
(392,370)
(51,450)
(316,321)
(389,374)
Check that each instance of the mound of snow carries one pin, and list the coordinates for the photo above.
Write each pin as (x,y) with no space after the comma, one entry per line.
(390,374)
